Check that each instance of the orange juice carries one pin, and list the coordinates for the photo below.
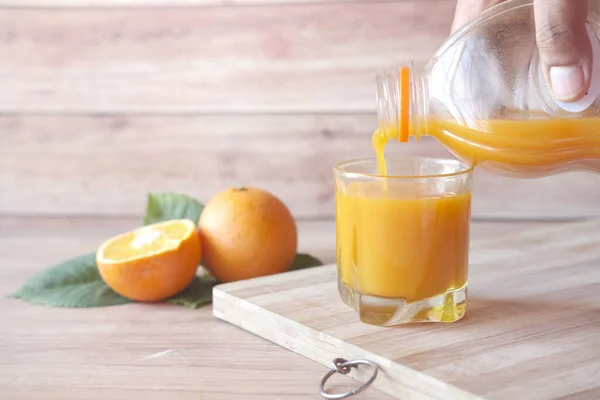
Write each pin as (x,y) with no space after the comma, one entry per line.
(398,242)
(402,241)
(534,147)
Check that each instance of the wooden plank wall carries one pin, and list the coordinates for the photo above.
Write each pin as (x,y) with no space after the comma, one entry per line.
(103,101)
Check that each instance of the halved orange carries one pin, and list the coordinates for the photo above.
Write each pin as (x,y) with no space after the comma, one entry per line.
(151,263)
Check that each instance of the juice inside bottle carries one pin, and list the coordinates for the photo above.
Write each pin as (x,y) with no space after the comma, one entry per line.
(523,148)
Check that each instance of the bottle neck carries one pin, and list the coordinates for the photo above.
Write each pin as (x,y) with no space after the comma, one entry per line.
(401,103)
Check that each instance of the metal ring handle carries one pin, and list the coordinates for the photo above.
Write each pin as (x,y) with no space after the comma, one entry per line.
(343,367)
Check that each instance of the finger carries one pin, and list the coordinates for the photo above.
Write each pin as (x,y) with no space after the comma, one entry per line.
(564,46)
(467,10)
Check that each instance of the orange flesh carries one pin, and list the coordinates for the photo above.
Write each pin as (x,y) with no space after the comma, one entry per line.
(145,241)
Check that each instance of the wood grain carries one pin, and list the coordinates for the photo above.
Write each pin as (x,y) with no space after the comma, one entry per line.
(105,165)
(143,351)
(211,59)
(531,329)
(159,3)
(202,98)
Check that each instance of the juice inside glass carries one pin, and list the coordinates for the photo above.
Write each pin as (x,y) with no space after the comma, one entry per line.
(402,239)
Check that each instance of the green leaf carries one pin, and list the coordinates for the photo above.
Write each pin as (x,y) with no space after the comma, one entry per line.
(169,206)
(77,283)
(303,261)
(74,283)
(199,292)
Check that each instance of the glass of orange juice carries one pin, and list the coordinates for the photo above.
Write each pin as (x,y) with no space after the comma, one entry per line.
(402,239)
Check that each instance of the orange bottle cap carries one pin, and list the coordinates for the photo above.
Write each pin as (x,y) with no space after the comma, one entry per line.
(403,113)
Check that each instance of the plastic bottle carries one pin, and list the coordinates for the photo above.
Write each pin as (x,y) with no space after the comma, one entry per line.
(484,98)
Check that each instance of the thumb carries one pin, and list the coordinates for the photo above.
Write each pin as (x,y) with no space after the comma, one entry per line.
(564,46)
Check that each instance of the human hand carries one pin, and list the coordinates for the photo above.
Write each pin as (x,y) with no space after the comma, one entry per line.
(564,46)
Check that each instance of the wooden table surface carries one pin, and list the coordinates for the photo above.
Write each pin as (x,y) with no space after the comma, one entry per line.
(144,351)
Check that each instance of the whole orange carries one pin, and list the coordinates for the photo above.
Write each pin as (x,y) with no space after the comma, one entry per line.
(246,233)
(151,263)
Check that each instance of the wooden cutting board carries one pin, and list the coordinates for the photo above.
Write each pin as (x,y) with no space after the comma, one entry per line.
(532,328)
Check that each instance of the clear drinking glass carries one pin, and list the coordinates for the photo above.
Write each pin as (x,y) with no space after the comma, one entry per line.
(402,240)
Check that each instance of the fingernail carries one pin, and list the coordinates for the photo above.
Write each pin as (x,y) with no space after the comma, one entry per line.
(566,82)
